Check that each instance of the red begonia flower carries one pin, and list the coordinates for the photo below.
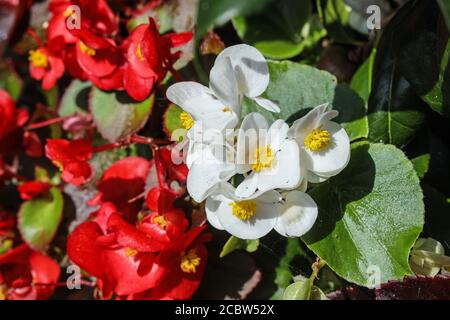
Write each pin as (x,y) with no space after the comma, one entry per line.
(121,183)
(71,157)
(32,144)
(32,189)
(27,274)
(149,58)
(45,66)
(115,252)
(165,223)
(169,171)
(185,262)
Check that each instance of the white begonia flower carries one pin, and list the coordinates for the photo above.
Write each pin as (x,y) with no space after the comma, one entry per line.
(238,71)
(297,214)
(272,159)
(250,76)
(324,144)
(249,219)
(209,168)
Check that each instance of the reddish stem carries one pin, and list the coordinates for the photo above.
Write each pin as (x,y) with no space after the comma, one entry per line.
(35,37)
(45,123)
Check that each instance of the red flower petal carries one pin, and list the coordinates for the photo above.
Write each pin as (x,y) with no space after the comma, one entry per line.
(32,189)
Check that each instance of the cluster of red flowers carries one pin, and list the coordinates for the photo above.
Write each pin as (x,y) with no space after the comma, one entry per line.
(25,274)
(136,251)
(83,38)
(139,243)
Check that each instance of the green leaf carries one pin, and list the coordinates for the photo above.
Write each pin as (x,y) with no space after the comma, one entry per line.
(362,79)
(335,17)
(395,111)
(10,80)
(445,9)
(370,216)
(116,115)
(75,99)
(298,88)
(38,219)
(163,13)
(213,13)
(171,120)
(421,164)
(234,243)
(278,32)
(423,55)
(303,290)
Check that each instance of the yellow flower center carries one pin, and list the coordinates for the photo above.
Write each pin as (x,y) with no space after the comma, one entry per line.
(59,165)
(186,120)
(85,49)
(38,58)
(130,252)
(244,210)
(317,139)
(69,12)
(161,221)
(139,52)
(263,158)
(190,261)
(2,292)
(226,109)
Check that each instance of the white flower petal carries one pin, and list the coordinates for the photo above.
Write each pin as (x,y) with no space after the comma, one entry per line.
(277,134)
(297,215)
(223,82)
(194,98)
(250,66)
(286,171)
(248,187)
(332,159)
(256,227)
(267,104)
(303,126)
(314,178)
(205,174)
(251,135)
(211,209)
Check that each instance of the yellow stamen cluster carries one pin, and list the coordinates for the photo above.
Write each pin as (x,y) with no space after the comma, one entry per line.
(139,52)
(2,292)
(38,58)
(186,120)
(85,49)
(161,221)
(244,210)
(317,139)
(190,261)
(130,252)
(263,158)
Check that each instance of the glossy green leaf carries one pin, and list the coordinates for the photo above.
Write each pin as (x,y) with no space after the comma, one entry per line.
(422,56)
(370,216)
(280,30)
(362,80)
(116,115)
(234,243)
(75,98)
(421,164)
(395,111)
(218,12)
(445,9)
(39,219)
(297,88)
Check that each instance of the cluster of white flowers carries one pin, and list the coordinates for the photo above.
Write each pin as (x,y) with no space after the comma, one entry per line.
(270,165)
